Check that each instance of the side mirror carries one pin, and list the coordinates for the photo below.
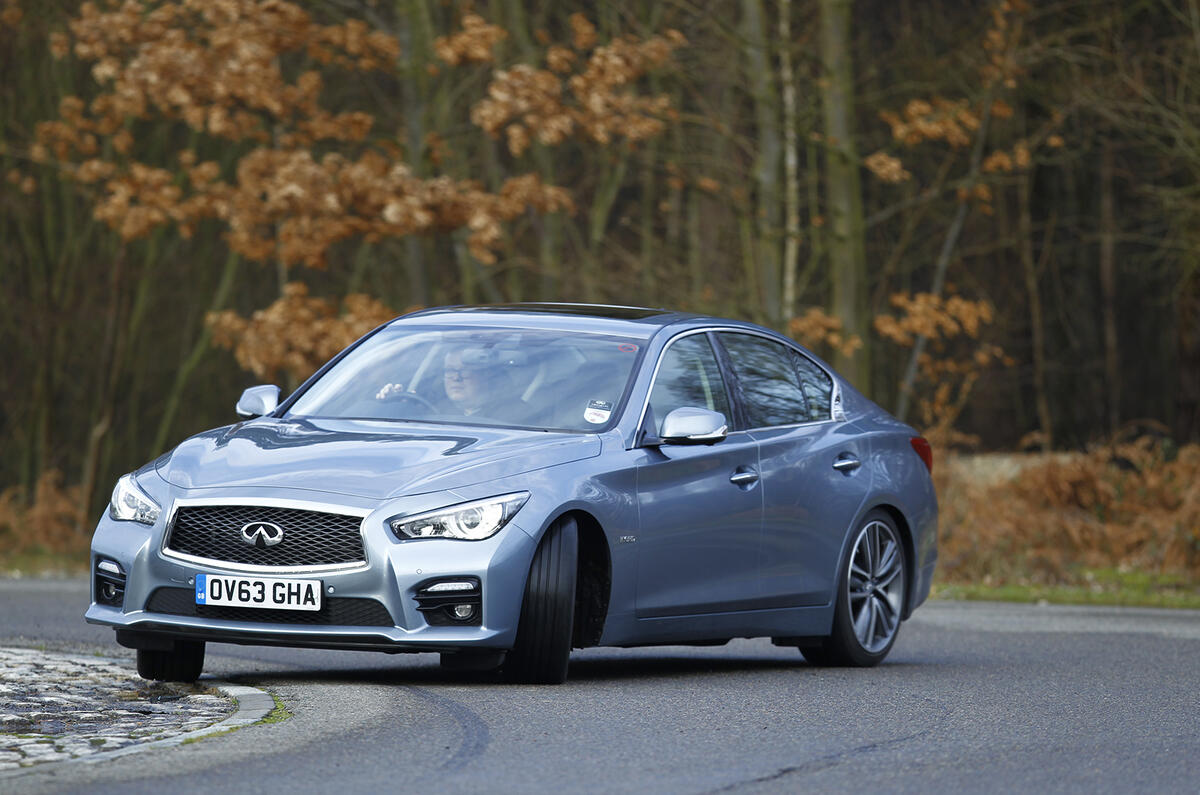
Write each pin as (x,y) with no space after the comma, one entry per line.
(257,401)
(690,425)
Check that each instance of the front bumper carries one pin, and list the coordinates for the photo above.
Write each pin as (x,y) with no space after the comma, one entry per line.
(158,587)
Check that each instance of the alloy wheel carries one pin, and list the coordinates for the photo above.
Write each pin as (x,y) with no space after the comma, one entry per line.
(876,586)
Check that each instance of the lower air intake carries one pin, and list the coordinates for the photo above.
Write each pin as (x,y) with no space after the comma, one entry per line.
(339,611)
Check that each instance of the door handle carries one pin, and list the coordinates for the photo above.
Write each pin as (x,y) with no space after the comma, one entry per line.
(743,478)
(846,464)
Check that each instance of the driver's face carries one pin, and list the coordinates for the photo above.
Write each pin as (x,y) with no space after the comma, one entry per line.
(464,385)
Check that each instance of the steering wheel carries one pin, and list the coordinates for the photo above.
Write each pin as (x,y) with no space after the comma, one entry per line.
(410,397)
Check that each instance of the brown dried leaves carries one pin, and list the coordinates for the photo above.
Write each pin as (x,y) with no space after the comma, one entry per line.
(597,101)
(215,67)
(887,168)
(955,357)
(473,44)
(50,519)
(297,333)
(304,205)
(936,120)
(1124,506)
(956,123)
(11,14)
(817,328)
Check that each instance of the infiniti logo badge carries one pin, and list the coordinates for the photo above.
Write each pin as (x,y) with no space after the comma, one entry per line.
(262,534)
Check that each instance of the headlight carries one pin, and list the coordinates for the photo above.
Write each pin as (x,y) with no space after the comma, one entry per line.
(130,503)
(469,521)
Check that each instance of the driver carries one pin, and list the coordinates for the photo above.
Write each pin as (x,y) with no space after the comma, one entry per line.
(472,380)
(468,377)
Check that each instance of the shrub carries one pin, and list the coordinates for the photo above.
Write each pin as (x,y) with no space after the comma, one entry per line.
(1048,519)
(47,522)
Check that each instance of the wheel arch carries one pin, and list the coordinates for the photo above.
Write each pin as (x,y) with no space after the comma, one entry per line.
(593,583)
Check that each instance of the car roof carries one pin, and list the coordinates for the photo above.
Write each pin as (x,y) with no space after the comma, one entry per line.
(635,321)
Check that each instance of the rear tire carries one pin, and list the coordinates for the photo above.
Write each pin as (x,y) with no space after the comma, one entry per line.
(870,601)
(183,664)
(543,645)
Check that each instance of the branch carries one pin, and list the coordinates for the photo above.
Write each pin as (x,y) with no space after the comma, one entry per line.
(943,260)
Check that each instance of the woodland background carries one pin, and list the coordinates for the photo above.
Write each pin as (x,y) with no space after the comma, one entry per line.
(984,213)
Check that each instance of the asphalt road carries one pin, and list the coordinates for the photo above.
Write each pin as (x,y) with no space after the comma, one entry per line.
(975,698)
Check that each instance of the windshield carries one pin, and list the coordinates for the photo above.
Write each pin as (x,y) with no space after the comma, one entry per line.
(551,380)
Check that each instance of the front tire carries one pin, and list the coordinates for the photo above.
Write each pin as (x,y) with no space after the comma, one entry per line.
(182,664)
(543,645)
(870,601)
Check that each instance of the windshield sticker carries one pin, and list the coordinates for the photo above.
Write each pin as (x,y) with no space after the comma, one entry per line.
(598,411)
(626,347)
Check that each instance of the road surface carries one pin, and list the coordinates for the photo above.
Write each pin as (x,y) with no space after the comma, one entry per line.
(974,697)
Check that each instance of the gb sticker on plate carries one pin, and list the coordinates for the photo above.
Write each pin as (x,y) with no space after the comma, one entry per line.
(598,411)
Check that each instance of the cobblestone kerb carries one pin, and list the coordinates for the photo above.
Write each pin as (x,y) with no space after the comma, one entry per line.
(57,707)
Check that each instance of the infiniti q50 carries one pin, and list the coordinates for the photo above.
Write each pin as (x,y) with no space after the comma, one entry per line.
(501,485)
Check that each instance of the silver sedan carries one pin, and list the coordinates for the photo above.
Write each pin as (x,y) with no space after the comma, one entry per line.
(503,484)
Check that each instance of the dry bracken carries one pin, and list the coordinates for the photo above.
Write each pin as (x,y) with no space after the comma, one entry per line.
(1126,506)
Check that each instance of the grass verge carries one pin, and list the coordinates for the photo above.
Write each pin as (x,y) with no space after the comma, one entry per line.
(1099,587)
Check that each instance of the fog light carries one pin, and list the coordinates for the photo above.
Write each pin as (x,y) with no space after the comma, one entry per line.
(109,583)
(450,601)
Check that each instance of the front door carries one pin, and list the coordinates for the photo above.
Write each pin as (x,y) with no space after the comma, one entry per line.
(700,506)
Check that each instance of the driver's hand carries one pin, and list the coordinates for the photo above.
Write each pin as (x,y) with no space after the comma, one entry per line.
(388,390)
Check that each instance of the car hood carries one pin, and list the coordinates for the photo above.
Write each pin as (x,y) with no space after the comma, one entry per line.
(364,458)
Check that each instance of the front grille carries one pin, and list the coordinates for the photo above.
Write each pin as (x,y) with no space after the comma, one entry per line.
(310,538)
(339,611)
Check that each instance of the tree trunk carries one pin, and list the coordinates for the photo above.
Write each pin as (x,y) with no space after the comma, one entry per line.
(791,167)
(847,251)
(1187,322)
(646,265)
(695,254)
(1037,332)
(1108,289)
(816,223)
(766,169)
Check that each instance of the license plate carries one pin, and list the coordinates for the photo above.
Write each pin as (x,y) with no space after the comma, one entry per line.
(275,594)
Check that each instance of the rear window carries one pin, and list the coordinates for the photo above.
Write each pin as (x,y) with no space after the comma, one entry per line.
(768,380)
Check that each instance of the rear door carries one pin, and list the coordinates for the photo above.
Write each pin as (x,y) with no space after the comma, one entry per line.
(813,478)
(699,538)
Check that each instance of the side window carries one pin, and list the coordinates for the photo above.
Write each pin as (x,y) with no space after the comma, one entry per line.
(688,376)
(770,386)
(816,385)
